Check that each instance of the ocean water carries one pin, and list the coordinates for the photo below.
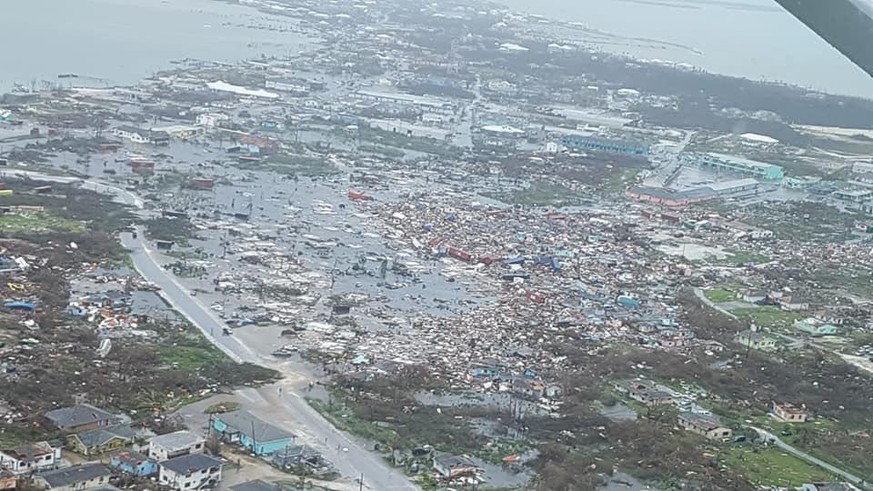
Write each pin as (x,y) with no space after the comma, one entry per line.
(123,41)
(755,39)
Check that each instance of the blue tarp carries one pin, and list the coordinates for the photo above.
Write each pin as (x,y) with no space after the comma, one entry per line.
(21,305)
(628,302)
(548,261)
(513,260)
(556,265)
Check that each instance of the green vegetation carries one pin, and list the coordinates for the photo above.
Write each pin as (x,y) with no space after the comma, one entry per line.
(768,316)
(342,417)
(192,358)
(773,467)
(299,165)
(621,179)
(386,411)
(178,230)
(34,223)
(446,429)
(738,258)
(67,205)
(382,150)
(854,279)
(415,143)
(720,295)
(803,221)
(177,367)
(291,165)
(223,407)
(13,435)
(541,193)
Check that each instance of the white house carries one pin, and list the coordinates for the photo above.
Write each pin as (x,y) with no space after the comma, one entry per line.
(189,472)
(30,458)
(211,120)
(171,445)
(862,167)
(288,85)
(138,135)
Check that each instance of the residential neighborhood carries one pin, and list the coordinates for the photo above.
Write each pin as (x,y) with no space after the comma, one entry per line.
(94,455)
(403,245)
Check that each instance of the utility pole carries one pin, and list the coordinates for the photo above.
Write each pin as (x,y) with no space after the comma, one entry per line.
(254,442)
(361,483)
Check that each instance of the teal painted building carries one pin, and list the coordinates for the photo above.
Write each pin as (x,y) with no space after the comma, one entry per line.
(813,327)
(134,463)
(729,163)
(247,430)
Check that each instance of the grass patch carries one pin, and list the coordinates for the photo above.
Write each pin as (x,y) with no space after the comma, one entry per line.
(541,193)
(738,258)
(290,165)
(384,138)
(768,316)
(191,358)
(448,430)
(382,150)
(621,179)
(773,467)
(31,223)
(342,417)
(178,230)
(300,164)
(720,295)
(851,278)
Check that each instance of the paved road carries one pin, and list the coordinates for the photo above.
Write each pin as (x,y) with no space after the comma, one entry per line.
(352,459)
(702,296)
(770,437)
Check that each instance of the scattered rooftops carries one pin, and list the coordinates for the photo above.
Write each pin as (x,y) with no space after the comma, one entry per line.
(187,464)
(76,474)
(178,440)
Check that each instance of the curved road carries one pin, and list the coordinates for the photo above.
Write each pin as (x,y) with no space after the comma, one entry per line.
(770,437)
(353,462)
(352,459)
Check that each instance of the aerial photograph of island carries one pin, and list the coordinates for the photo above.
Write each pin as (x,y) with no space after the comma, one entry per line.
(391,245)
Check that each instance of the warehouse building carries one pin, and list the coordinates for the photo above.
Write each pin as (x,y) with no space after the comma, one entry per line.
(577,142)
(668,197)
(739,165)
(684,197)
(854,196)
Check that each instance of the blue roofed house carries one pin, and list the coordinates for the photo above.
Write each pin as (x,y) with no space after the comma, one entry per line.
(244,428)
(134,463)
(486,368)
